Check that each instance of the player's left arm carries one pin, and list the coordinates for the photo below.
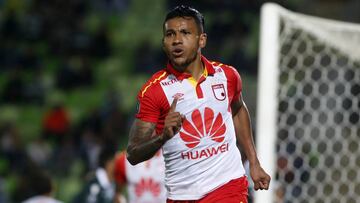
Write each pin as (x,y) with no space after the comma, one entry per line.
(244,136)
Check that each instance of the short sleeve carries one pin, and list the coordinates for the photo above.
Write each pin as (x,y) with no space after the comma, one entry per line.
(234,83)
(147,108)
(151,99)
(237,84)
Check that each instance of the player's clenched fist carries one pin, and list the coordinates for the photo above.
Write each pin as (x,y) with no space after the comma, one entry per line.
(260,178)
(173,122)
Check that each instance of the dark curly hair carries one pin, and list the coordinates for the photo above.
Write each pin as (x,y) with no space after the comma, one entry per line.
(187,11)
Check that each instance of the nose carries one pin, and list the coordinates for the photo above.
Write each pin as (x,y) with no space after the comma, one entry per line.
(177,39)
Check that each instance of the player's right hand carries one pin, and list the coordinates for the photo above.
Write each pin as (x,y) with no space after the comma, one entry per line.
(173,122)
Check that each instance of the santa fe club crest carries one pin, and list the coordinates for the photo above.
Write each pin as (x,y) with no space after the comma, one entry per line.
(219,91)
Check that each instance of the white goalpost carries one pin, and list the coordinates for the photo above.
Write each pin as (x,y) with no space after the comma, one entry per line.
(308,108)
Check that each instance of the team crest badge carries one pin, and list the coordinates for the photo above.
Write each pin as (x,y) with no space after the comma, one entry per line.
(219,91)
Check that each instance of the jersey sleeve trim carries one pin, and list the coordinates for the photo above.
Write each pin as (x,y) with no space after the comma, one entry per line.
(234,82)
(152,99)
(152,82)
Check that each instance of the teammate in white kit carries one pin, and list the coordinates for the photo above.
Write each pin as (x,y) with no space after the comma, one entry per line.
(145,181)
(196,108)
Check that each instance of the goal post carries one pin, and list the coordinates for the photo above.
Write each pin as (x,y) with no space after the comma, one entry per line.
(308,107)
(267,93)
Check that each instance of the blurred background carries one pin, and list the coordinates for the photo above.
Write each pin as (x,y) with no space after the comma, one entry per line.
(70,71)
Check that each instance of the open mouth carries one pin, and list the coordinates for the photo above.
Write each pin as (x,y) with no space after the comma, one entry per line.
(177,52)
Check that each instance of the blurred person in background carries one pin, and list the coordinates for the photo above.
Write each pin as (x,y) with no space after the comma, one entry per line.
(197,110)
(42,188)
(56,124)
(56,128)
(145,182)
(100,187)
(11,146)
(39,151)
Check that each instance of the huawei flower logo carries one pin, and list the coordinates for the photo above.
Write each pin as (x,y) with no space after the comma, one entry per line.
(147,185)
(199,128)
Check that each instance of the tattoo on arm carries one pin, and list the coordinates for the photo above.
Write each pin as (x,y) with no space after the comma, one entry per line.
(143,144)
(141,131)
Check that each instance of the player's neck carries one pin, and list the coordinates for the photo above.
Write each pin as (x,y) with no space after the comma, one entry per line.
(196,68)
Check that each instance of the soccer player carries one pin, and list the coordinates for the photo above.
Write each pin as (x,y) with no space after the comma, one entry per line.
(100,188)
(196,108)
(145,182)
(42,188)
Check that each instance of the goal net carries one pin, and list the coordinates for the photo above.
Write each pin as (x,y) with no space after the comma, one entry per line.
(308,128)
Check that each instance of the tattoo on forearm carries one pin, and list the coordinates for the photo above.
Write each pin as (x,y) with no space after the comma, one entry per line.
(142,144)
(141,133)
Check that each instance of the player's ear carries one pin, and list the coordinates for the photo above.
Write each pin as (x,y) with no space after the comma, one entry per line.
(202,40)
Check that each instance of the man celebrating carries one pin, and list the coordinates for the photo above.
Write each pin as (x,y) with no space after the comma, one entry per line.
(196,108)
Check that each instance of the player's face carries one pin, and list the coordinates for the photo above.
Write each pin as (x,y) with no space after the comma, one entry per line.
(182,41)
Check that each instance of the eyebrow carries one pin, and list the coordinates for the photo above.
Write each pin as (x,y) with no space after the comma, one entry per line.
(181,29)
